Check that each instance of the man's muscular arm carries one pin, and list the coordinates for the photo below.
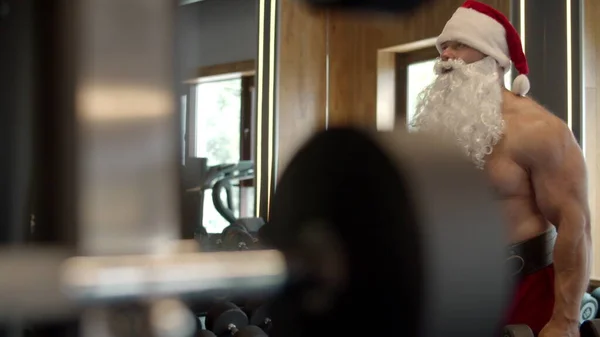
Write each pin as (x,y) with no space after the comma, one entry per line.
(558,174)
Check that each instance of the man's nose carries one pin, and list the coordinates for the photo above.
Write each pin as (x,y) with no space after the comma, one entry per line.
(447,54)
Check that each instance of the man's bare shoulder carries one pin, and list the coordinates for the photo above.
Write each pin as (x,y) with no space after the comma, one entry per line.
(529,119)
(536,132)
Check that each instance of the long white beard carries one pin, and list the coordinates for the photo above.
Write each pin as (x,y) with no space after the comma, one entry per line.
(464,104)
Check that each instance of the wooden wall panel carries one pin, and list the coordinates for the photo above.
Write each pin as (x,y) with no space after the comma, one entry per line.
(302,85)
(353,44)
(592,119)
(351,41)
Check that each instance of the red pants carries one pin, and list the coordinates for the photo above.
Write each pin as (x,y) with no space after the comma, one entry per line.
(533,301)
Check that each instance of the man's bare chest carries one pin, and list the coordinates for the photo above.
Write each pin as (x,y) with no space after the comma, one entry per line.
(506,176)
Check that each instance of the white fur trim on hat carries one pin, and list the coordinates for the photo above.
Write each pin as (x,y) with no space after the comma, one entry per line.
(479,32)
(521,85)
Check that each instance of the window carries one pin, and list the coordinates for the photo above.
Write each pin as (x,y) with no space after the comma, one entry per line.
(221,134)
(414,71)
(419,74)
(218,114)
(218,111)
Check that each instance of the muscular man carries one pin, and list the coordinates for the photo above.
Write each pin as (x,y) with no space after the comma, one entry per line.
(530,156)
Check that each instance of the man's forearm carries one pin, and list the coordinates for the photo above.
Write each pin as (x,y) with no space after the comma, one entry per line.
(572,254)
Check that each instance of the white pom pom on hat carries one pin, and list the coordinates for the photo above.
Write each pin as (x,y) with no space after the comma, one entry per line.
(489,31)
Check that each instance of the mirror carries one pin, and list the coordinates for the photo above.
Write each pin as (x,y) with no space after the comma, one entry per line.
(216,50)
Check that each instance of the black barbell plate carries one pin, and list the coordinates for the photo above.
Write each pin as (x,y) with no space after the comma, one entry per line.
(398,227)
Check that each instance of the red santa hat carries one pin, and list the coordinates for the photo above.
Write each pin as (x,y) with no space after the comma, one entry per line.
(489,31)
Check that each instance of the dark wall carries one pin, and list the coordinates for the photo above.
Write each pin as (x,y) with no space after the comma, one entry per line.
(213,32)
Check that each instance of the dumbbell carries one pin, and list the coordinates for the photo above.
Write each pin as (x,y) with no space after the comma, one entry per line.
(236,237)
(205,333)
(590,328)
(227,319)
(248,331)
(258,309)
(517,330)
(252,225)
(261,317)
(596,294)
(202,332)
(589,308)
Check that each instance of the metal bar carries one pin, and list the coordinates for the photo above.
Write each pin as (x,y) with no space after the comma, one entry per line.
(54,156)
(266,103)
(56,286)
(97,279)
(54,133)
(191,136)
(274,40)
(577,89)
(188,2)
(128,167)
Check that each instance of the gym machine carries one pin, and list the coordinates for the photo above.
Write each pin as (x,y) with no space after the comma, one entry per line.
(242,233)
(95,95)
(199,178)
(243,171)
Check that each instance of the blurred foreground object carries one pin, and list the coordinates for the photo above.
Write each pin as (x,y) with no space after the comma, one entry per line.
(345,235)
(372,220)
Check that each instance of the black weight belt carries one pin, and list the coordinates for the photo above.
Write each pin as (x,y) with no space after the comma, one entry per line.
(529,256)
